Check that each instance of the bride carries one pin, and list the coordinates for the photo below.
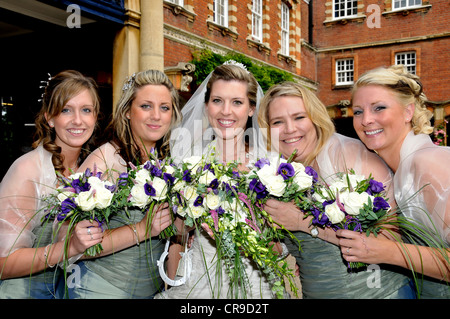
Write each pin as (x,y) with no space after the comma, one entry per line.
(219,118)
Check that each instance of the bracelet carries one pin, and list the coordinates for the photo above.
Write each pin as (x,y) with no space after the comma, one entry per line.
(133,226)
(46,256)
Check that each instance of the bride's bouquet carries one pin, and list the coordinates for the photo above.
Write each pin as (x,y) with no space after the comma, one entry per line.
(231,202)
(82,196)
(351,202)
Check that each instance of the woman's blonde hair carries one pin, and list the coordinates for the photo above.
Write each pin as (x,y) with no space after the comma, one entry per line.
(119,128)
(407,88)
(315,109)
(60,89)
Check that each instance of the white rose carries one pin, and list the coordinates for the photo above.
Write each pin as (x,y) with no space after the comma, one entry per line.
(195,211)
(62,196)
(178,185)
(181,211)
(298,167)
(303,180)
(193,162)
(274,183)
(227,206)
(160,187)
(142,176)
(190,193)
(95,182)
(86,201)
(335,215)
(76,176)
(103,198)
(206,178)
(212,201)
(169,169)
(339,186)
(355,179)
(354,201)
(138,196)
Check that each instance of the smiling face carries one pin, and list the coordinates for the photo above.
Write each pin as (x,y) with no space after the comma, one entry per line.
(380,120)
(228,108)
(289,121)
(76,122)
(150,115)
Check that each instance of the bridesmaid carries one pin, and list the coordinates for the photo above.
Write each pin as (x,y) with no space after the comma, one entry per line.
(297,120)
(145,114)
(64,133)
(390,118)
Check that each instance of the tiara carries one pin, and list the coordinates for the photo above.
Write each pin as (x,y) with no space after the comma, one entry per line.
(129,82)
(44,85)
(238,64)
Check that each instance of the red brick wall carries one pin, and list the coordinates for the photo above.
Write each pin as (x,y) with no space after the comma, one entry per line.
(432,50)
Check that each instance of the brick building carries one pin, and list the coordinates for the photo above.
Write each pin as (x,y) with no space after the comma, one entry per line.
(324,44)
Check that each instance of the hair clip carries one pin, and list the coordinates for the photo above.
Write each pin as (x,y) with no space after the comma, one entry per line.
(44,85)
(129,82)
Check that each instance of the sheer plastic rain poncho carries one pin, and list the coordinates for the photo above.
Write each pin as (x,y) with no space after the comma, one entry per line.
(323,271)
(29,178)
(422,184)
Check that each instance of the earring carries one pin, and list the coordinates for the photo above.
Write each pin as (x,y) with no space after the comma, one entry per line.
(128,116)
(51,123)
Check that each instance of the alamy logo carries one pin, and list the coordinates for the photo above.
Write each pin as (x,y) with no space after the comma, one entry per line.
(374,18)
(74,19)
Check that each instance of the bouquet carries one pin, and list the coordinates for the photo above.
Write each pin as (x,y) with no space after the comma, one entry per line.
(147,185)
(231,204)
(82,196)
(351,202)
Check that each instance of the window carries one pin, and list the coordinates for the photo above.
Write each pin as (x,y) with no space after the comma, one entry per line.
(257,20)
(284,29)
(408,59)
(344,71)
(403,4)
(178,2)
(345,8)
(221,12)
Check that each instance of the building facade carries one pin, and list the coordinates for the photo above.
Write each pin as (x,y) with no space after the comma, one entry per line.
(324,44)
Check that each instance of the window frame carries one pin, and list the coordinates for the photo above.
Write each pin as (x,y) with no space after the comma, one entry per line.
(404,53)
(337,72)
(257,30)
(217,16)
(285,13)
(407,6)
(345,16)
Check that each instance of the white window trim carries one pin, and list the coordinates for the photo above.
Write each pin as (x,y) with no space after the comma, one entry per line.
(344,16)
(407,7)
(223,3)
(407,65)
(285,29)
(177,2)
(257,25)
(338,72)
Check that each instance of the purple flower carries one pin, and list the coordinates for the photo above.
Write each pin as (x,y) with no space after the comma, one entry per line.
(169,178)
(122,180)
(198,201)
(261,162)
(319,217)
(187,176)
(286,170)
(311,172)
(214,184)
(149,190)
(375,187)
(155,171)
(380,203)
(259,188)
(67,206)
(80,186)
